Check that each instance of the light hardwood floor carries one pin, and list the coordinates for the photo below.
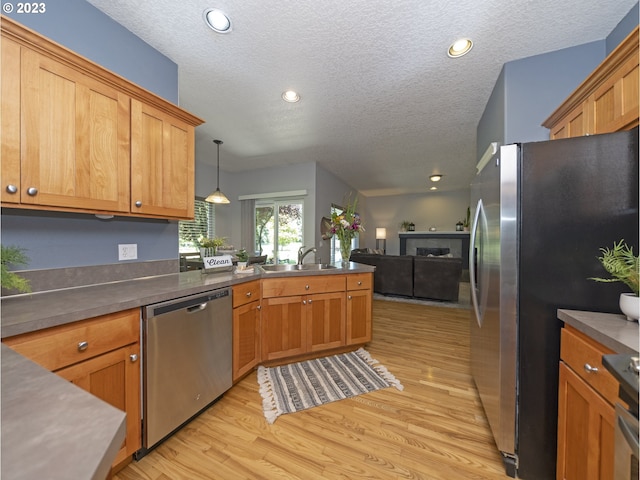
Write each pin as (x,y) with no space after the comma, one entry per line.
(434,429)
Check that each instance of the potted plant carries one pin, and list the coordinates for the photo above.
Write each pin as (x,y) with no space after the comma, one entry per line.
(209,246)
(242,257)
(10,280)
(622,265)
(404,225)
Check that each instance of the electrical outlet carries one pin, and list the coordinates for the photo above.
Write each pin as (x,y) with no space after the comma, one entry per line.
(128,251)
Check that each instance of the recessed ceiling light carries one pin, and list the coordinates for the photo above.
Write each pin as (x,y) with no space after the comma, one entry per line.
(460,47)
(291,96)
(433,188)
(436,178)
(217,20)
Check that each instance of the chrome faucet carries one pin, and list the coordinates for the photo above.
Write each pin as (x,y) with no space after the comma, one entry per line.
(301,255)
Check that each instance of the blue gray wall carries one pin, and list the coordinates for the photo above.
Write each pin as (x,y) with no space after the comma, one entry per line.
(528,90)
(54,240)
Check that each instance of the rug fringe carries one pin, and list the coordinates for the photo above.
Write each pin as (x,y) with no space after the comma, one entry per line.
(381,369)
(268,400)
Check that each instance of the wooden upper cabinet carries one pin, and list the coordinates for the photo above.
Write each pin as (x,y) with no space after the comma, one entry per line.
(162,163)
(75,133)
(607,101)
(77,137)
(10,120)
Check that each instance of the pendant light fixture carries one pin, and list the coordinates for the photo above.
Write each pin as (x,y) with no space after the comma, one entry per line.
(217,196)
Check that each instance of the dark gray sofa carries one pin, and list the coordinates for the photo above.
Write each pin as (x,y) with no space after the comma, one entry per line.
(436,278)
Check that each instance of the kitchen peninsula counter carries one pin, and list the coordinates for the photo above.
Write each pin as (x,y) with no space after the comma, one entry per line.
(613,331)
(30,312)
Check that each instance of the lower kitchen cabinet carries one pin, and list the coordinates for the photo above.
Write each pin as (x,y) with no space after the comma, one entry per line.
(112,377)
(586,415)
(246,328)
(311,315)
(359,308)
(100,355)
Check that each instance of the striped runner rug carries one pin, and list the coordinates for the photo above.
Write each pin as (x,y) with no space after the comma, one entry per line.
(299,386)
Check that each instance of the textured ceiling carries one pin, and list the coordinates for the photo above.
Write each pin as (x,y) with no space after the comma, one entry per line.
(382,104)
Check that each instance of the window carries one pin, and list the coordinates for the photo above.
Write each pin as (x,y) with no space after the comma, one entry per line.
(279,229)
(203,225)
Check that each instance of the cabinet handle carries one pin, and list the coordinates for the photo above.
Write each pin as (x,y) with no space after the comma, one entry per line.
(259,307)
(349,297)
(248,294)
(138,203)
(12,188)
(133,357)
(359,283)
(32,191)
(310,301)
(306,287)
(589,369)
(82,346)
(304,302)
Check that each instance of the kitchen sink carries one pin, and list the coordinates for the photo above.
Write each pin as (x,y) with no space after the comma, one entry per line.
(287,267)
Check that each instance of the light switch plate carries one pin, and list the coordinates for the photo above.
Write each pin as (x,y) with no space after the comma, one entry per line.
(127,251)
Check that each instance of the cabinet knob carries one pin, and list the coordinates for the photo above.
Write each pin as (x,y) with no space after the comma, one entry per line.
(589,369)
(304,302)
(310,300)
(306,287)
(259,307)
(248,294)
(12,188)
(138,203)
(349,297)
(82,346)
(359,283)
(32,191)
(133,357)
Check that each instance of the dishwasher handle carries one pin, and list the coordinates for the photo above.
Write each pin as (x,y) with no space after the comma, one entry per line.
(192,304)
(197,308)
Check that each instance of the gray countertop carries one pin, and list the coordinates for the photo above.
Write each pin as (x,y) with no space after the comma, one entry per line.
(31,312)
(611,330)
(52,429)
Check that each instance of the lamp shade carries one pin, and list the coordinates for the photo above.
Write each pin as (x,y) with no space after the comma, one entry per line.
(381,233)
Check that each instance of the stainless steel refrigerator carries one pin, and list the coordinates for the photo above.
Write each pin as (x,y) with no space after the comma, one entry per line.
(543,211)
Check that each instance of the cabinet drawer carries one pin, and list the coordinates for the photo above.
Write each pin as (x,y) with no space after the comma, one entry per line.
(244,293)
(580,352)
(277,287)
(61,346)
(359,281)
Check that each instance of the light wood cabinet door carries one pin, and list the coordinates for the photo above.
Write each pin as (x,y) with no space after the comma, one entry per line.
(585,431)
(359,314)
(115,378)
(74,138)
(284,327)
(246,338)
(325,321)
(10,120)
(162,163)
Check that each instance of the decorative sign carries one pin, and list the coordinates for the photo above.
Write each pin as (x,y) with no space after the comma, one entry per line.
(219,261)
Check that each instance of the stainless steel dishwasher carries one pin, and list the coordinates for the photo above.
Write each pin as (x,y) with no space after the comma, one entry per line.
(187,360)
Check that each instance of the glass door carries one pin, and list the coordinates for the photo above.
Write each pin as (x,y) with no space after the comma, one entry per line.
(279,229)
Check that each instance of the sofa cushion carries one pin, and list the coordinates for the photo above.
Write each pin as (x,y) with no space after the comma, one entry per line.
(437,277)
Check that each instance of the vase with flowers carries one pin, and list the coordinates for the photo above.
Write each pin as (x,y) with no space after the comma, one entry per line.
(345,226)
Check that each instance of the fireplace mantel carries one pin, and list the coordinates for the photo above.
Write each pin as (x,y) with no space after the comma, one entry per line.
(458,240)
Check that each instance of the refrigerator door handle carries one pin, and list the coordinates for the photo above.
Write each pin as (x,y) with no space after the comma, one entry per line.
(472,265)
